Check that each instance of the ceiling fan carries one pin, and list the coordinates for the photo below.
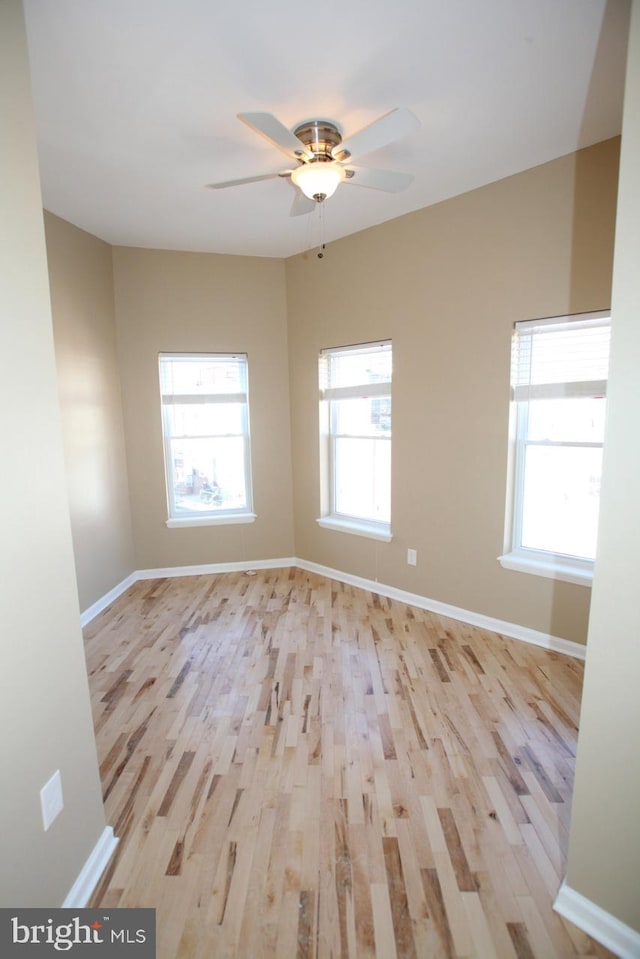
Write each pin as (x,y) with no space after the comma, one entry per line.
(324,158)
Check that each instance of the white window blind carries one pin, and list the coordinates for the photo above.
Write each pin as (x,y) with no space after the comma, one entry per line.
(354,370)
(567,358)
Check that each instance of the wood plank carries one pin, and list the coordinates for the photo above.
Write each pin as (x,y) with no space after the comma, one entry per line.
(383,921)
(520,940)
(464,878)
(403,934)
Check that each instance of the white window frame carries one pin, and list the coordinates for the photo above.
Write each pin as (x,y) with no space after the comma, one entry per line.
(213,517)
(330,518)
(540,562)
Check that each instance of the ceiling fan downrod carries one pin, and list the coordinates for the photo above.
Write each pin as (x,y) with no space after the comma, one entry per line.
(321,137)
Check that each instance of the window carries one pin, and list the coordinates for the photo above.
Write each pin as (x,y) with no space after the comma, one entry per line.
(205,415)
(558,378)
(355,436)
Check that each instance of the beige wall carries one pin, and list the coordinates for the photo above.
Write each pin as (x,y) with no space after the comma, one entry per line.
(604,851)
(45,718)
(81,282)
(199,302)
(446,284)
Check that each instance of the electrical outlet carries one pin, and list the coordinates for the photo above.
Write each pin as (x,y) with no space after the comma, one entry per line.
(412,557)
(51,800)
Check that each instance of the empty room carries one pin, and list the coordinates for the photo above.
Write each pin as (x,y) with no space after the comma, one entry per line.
(319,567)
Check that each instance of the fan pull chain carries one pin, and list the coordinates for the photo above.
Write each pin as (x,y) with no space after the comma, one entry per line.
(315,238)
(321,243)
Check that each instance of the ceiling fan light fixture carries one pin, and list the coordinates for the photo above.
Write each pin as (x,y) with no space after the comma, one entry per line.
(318,180)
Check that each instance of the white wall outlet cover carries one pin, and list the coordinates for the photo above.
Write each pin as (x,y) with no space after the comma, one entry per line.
(412,557)
(51,800)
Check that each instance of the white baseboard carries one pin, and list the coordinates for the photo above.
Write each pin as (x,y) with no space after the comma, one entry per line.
(80,893)
(511,630)
(597,923)
(206,568)
(107,599)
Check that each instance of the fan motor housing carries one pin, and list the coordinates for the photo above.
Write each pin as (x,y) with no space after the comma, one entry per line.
(321,137)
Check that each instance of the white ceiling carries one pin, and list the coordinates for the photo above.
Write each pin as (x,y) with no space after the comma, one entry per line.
(136,104)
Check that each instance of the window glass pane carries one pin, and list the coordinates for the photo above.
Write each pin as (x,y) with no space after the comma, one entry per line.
(567,420)
(204,419)
(561,499)
(358,367)
(208,474)
(363,478)
(370,416)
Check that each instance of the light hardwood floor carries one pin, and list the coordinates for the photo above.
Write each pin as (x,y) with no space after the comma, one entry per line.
(299,768)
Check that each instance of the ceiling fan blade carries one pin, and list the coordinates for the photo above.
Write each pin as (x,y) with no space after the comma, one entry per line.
(274,131)
(301,205)
(387,180)
(247,179)
(388,128)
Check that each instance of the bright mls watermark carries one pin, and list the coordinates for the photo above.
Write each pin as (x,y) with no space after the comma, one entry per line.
(78,932)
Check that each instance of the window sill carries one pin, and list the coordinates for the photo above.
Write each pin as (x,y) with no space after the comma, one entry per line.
(356,528)
(555,567)
(224,520)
